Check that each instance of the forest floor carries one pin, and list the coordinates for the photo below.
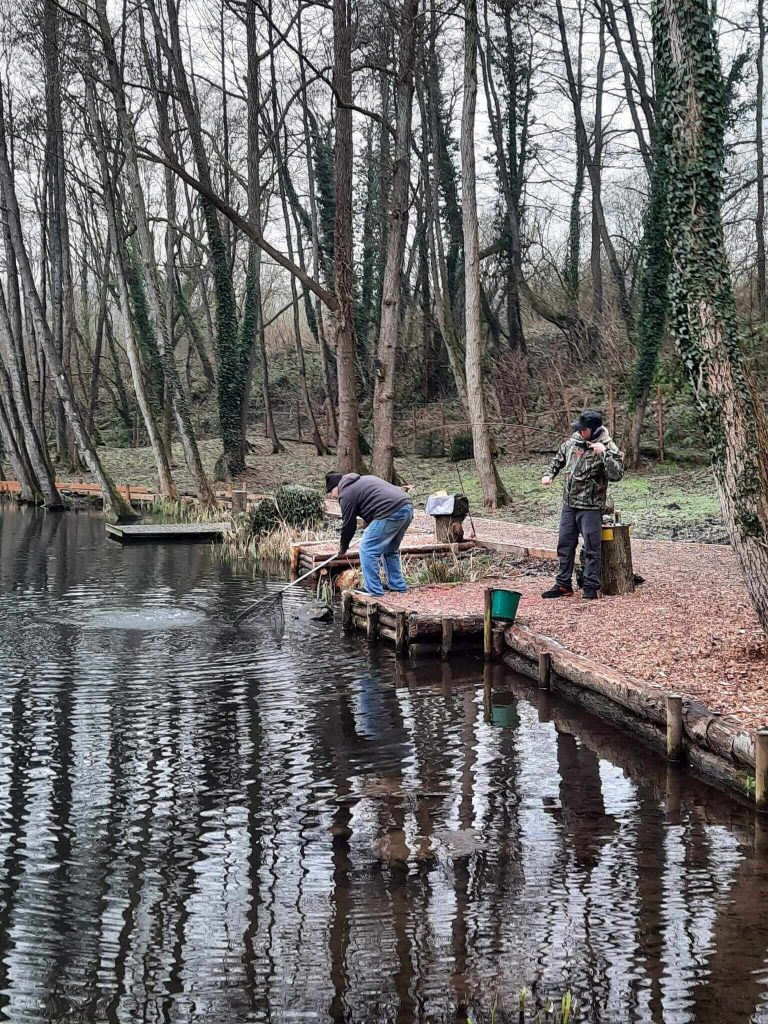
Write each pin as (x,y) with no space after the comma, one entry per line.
(665,501)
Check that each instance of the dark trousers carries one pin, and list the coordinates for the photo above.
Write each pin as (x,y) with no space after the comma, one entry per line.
(589,523)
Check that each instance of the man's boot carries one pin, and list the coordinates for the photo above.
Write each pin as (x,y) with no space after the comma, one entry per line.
(558,591)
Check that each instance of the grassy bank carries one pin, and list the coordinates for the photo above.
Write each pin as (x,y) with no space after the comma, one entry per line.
(671,501)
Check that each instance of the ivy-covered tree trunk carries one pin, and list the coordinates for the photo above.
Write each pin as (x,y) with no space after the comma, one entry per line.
(252,341)
(348,449)
(654,279)
(702,307)
(123,258)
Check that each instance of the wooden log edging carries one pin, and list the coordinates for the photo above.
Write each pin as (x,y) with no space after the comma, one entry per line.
(715,744)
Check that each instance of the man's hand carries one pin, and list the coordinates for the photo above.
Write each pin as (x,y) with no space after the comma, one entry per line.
(597,448)
(546,480)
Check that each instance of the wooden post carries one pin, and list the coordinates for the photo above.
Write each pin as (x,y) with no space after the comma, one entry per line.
(128,493)
(674,727)
(298,420)
(372,617)
(239,499)
(545,707)
(545,670)
(617,574)
(673,796)
(761,837)
(488,692)
(442,426)
(660,422)
(401,633)
(347,609)
(447,642)
(295,558)
(761,770)
(498,641)
(488,625)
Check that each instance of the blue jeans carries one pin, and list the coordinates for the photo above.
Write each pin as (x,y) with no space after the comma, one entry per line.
(381,542)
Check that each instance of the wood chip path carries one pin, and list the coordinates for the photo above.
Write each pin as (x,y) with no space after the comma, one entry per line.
(690,628)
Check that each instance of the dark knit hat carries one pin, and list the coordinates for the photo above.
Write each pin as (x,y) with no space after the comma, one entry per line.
(332,480)
(590,419)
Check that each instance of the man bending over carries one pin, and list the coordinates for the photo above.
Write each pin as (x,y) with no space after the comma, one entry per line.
(590,459)
(387,512)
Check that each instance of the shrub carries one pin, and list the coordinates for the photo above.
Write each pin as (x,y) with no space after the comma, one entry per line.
(462,447)
(264,517)
(300,506)
(430,446)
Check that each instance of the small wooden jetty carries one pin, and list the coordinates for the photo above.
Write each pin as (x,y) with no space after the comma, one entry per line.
(412,632)
(164,532)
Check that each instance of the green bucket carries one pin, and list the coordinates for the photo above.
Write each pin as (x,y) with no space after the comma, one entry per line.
(504,716)
(504,604)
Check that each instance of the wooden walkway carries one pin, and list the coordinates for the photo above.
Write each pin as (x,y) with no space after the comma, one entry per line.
(163,532)
(133,494)
(412,631)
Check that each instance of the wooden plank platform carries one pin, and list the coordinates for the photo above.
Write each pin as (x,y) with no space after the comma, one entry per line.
(412,632)
(136,495)
(163,532)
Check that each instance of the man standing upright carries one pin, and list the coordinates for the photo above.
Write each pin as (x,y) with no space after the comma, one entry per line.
(387,512)
(591,460)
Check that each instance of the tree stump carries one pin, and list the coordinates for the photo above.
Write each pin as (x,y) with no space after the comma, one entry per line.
(450,529)
(617,575)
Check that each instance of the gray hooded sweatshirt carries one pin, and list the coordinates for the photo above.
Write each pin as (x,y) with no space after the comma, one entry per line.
(368,497)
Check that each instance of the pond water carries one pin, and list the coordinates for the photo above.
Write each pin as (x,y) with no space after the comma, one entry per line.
(279,823)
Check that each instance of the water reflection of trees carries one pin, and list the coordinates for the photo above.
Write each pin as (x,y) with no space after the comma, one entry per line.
(192,830)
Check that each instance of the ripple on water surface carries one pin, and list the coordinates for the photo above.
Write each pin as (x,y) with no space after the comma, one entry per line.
(199,823)
(155,619)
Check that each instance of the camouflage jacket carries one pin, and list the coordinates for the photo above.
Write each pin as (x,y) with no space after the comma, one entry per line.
(587,474)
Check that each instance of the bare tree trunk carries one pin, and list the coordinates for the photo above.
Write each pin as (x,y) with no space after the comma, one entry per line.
(281,160)
(348,451)
(252,327)
(114,505)
(31,445)
(597,158)
(598,211)
(45,479)
(162,330)
(159,451)
(93,390)
(12,436)
(439,271)
(326,358)
(230,364)
(762,311)
(493,494)
(389,330)
(197,342)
